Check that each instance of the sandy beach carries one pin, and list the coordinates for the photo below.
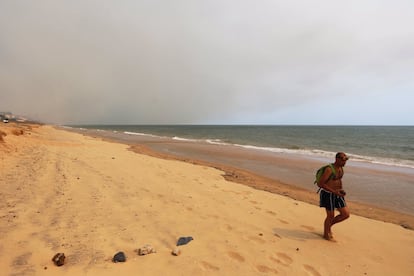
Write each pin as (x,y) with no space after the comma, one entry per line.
(89,199)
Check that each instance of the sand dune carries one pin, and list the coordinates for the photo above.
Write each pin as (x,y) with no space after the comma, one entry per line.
(64,192)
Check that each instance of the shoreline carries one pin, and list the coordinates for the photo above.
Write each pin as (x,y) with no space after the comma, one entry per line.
(253,180)
(155,147)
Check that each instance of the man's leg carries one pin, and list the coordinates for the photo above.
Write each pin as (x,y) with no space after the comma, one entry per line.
(343,215)
(329,221)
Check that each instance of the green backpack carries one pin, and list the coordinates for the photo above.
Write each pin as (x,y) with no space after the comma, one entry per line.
(320,172)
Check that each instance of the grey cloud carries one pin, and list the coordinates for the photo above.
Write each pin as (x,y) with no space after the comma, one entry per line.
(196,61)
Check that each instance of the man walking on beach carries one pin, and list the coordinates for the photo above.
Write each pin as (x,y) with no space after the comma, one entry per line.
(332,194)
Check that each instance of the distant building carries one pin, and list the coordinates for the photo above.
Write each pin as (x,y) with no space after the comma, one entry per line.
(12,117)
(6,116)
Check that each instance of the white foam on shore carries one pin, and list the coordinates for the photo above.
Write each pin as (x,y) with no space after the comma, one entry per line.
(311,153)
(317,153)
(184,139)
(328,154)
(141,134)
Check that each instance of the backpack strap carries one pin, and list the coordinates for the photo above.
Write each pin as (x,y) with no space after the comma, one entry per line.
(333,174)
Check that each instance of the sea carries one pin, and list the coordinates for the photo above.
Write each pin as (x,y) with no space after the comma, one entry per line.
(388,149)
(388,145)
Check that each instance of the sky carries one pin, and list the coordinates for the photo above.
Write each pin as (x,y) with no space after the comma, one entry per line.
(320,62)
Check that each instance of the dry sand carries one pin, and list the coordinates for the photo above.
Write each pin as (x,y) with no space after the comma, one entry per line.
(88,198)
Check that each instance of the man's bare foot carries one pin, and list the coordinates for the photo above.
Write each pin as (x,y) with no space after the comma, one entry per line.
(329,238)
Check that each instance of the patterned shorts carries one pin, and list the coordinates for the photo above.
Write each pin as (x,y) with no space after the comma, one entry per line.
(331,201)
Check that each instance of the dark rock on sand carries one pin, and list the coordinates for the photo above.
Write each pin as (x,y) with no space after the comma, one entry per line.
(119,257)
(184,240)
(59,259)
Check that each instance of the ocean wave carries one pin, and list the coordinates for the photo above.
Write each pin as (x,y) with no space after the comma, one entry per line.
(216,142)
(328,154)
(313,153)
(295,150)
(184,139)
(141,134)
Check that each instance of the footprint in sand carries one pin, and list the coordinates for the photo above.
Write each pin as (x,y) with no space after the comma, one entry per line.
(310,228)
(282,258)
(209,266)
(277,235)
(229,227)
(257,239)
(311,270)
(265,269)
(229,191)
(271,212)
(236,256)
